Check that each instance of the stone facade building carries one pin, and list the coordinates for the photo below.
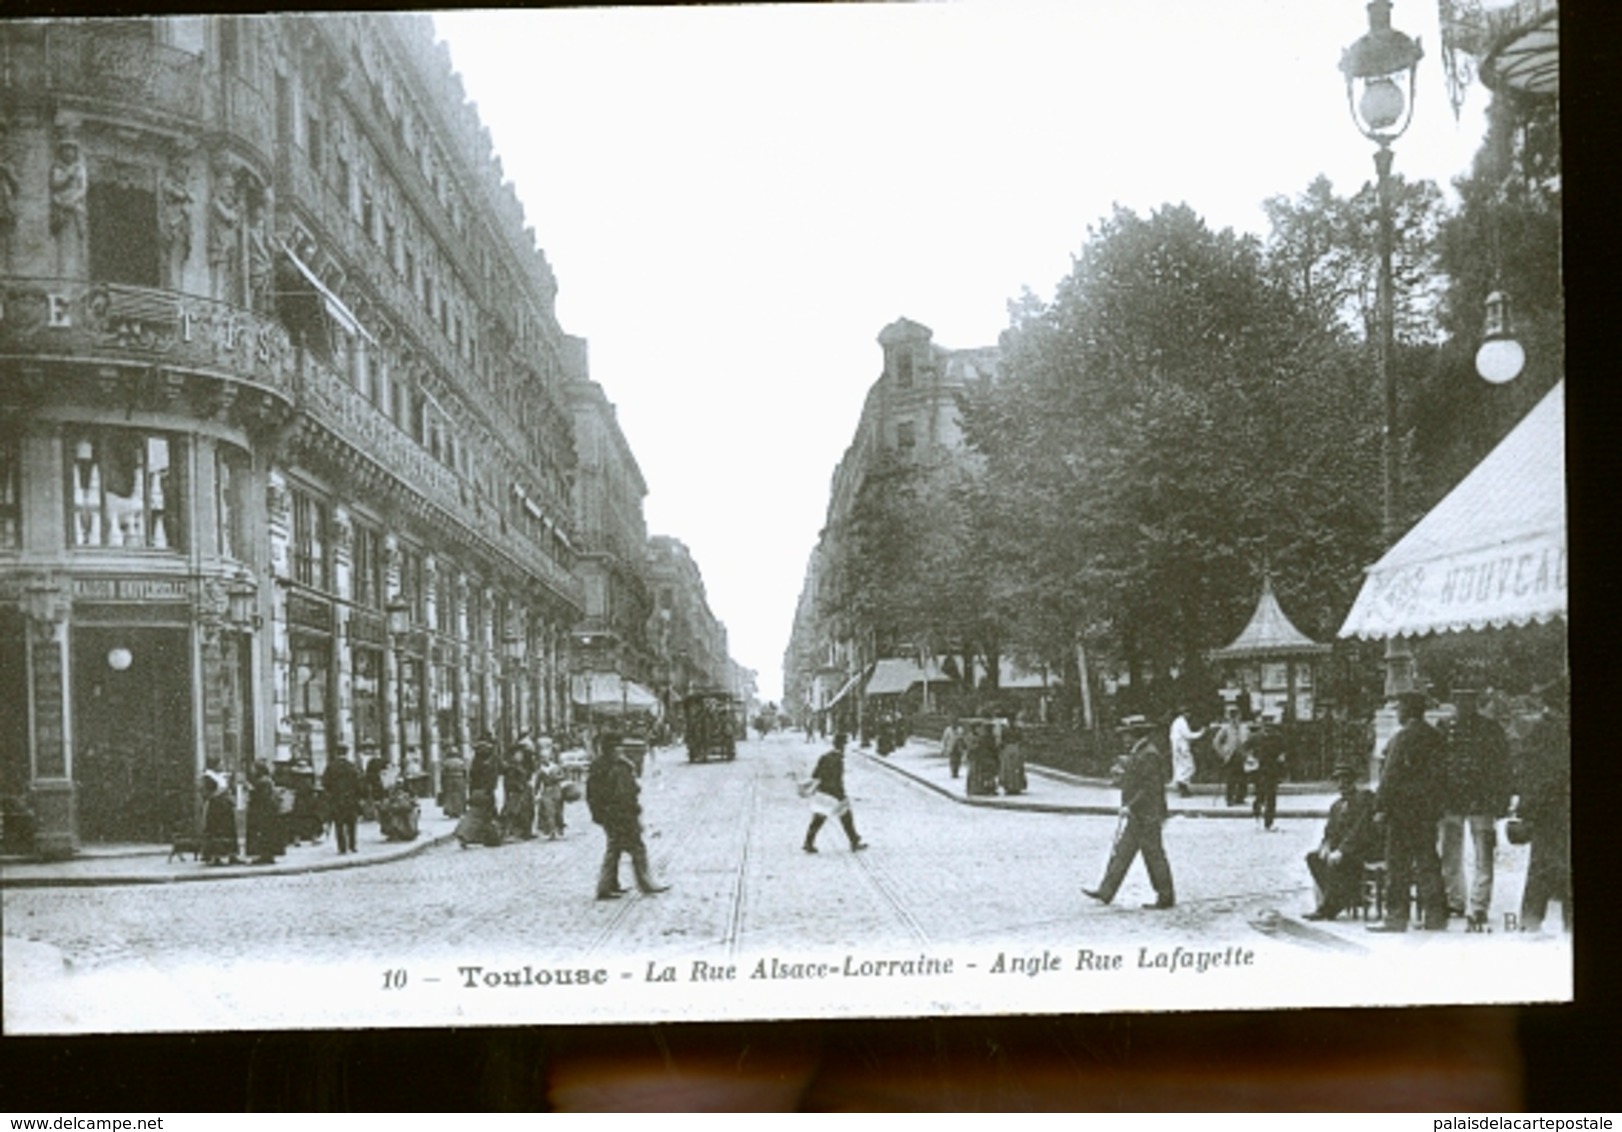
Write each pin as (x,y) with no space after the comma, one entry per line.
(286,450)
(611,537)
(910,416)
(689,642)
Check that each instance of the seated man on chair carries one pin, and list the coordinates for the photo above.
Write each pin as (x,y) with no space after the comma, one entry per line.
(1349,840)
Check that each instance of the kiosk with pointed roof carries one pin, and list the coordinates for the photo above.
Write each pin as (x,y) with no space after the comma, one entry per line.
(1274,658)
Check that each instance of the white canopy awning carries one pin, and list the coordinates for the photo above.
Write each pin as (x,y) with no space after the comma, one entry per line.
(895,675)
(1491,554)
(609,692)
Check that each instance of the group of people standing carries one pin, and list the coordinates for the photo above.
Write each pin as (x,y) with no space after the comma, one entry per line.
(530,782)
(1254,754)
(301,808)
(992,753)
(889,731)
(1442,789)
(265,832)
(1432,820)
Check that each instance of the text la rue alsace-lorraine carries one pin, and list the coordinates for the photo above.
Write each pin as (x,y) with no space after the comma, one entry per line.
(1084,960)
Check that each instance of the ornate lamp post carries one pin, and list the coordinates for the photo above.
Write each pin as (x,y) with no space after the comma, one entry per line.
(1377,69)
(398,619)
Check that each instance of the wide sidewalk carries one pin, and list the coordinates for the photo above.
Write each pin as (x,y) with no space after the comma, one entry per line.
(1056,791)
(153,864)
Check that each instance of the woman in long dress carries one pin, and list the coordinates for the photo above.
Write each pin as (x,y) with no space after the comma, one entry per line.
(518,791)
(267,835)
(1011,761)
(219,821)
(982,759)
(480,824)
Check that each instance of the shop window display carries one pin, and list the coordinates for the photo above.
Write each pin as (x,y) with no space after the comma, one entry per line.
(127,490)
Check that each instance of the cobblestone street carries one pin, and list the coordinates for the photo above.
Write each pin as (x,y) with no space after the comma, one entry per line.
(939,876)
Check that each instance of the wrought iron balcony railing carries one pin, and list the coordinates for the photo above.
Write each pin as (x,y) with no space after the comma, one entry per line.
(129,70)
(116,324)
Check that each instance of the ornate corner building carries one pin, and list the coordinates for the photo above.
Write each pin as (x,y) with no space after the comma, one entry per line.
(910,416)
(286,450)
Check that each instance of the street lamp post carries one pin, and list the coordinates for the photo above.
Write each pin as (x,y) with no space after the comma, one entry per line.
(398,614)
(1376,68)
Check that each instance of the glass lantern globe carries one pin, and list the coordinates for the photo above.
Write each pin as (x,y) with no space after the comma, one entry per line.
(1500,360)
(1500,357)
(1382,104)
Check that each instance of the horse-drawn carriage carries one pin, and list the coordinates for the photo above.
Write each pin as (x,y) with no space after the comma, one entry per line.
(710,724)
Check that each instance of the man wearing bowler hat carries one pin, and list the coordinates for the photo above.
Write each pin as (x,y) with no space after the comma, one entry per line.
(1408,805)
(1143,812)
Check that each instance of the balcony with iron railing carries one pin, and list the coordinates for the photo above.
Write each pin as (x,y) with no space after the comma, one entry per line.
(303,187)
(115,324)
(124,69)
(333,403)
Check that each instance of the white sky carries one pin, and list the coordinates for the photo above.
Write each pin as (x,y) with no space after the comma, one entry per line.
(737,200)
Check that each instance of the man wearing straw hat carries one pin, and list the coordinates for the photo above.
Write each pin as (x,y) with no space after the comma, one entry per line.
(1143,812)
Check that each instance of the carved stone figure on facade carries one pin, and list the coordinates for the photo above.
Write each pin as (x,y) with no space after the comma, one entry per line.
(177,216)
(70,185)
(9,191)
(343,533)
(261,262)
(224,236)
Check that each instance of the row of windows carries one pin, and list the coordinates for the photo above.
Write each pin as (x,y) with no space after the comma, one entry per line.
(312,567)
(127,490)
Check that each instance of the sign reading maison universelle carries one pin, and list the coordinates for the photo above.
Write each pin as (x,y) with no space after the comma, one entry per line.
(132,589)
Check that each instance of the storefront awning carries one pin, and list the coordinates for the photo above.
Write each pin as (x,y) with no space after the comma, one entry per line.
(895,675)
(1491,554)
(843,691)
(335,307)
(610,692)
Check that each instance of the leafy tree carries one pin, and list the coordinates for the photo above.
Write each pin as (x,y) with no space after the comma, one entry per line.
(1504,236)
(1324,250)
(1175,419)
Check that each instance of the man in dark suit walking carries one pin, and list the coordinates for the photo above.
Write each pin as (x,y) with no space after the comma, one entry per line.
(1143,812)
(342,783)
(613,797)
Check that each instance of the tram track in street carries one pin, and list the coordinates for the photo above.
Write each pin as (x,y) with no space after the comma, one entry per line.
(884,885)
(738,904)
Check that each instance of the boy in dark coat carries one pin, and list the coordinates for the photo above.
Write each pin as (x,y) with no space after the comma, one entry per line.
(829,799)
